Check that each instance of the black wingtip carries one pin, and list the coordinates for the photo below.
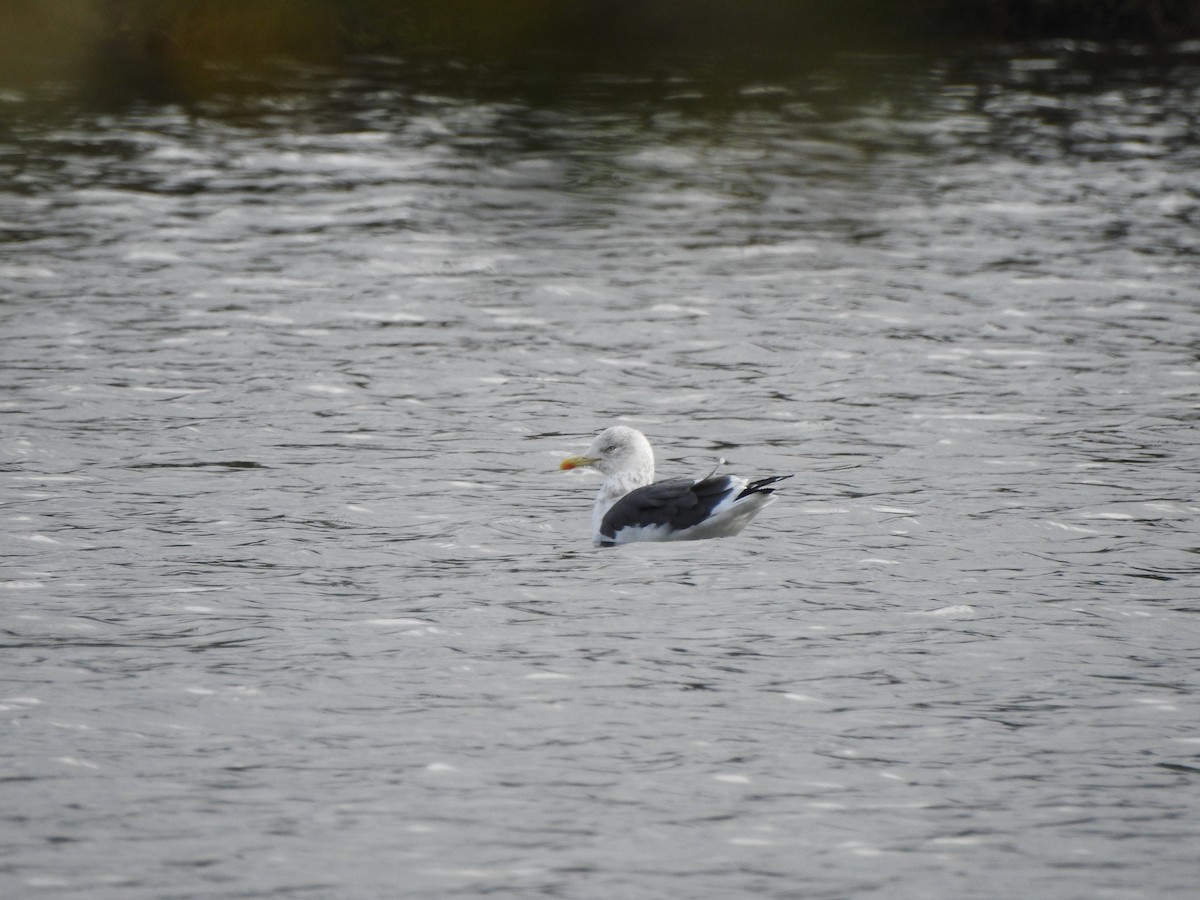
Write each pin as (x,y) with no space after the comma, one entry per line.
(761,486)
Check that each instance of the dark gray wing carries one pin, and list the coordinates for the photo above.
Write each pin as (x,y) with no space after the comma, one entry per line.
(678,503)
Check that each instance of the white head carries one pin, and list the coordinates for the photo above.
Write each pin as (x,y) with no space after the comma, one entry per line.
(617,450)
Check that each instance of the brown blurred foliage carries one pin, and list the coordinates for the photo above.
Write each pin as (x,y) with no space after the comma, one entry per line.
(71,37)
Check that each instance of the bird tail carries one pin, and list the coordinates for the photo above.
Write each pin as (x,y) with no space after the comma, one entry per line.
(760,486)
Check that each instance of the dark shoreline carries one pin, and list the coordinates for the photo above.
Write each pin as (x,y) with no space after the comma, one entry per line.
(85,39)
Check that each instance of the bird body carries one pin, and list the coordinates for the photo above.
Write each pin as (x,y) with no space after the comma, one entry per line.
(632,506)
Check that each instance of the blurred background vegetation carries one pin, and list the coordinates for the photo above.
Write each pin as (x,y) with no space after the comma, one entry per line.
(81,37)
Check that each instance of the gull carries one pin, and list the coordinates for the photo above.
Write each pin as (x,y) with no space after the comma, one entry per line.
(632,506)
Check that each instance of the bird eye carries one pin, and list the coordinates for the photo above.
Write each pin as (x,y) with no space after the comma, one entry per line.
(610,448)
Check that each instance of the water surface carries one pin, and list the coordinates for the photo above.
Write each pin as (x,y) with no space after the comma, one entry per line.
(297,603)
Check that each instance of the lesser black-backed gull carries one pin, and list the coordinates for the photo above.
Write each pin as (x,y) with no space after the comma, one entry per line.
(632,506)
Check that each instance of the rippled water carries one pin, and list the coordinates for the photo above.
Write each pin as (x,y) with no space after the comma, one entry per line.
(296,603)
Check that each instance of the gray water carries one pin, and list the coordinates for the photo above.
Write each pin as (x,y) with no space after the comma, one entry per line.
(296,603)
